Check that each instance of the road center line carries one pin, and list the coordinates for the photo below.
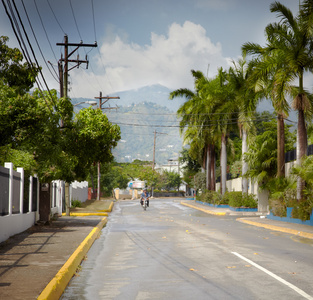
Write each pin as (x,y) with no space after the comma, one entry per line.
(296,289)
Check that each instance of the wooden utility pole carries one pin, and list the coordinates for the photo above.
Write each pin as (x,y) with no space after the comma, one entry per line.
(63,74)
(154,143)
(66,60)
(154,150)
(100,107)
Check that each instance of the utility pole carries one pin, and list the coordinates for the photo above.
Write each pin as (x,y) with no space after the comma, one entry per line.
(63,74)
(100,107)
(154,150)
(154,143)
(153,163)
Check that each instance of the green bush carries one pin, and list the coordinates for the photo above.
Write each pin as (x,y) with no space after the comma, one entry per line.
(302,210)
(278,207)
(76,203)
(210,197)
(237,199)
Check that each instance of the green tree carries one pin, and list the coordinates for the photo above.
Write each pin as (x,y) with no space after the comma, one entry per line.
(17,75)
(289,53)
(196,120)
(262,154)
(189,166)
(172,180)
(246,98)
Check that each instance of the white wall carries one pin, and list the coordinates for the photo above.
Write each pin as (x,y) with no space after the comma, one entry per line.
(14,224)
(79,191)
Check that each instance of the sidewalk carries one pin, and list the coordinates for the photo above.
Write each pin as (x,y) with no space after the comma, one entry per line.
(30,260)
(255,219)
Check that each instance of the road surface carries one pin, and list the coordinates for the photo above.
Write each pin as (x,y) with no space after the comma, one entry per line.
(175,252)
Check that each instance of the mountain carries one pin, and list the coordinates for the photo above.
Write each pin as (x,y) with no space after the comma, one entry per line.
(157,93)
(141,112)
(144,126)
(145,110)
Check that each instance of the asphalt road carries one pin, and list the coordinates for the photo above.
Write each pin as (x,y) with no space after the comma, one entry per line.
(174,252)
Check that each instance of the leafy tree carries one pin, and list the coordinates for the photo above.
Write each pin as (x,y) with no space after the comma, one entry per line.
(246,97)
(262,155)
(189,166)
(172,180)
(112,176)
(289,54)
(13,73)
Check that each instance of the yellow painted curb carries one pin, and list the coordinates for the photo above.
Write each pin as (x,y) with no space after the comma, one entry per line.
(57,285)
(204,210)
(104,214)
(278,228)
(109,209)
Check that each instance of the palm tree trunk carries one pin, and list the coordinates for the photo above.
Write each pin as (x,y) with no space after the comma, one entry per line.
(302,141)
(212,167)
(244,163)
(280,146)
(208,167)
(302,145)
(223,164)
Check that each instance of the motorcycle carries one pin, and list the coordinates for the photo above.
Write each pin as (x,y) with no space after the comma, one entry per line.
(144,203)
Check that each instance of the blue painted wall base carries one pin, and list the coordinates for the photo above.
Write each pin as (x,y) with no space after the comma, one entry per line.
(290,219)
(227,206)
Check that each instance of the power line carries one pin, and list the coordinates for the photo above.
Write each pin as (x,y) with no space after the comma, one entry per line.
(32,50)
(43,26)
(37,42)
(55,17)
(93,17)
(189,125)
(20,40)
(75,20)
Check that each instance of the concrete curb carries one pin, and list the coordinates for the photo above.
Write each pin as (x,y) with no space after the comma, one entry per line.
(278,228)
(57,285)
(204,210)
(109,209)
(103,214)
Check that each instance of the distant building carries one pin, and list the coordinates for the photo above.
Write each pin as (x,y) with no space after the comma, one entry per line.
(172,165)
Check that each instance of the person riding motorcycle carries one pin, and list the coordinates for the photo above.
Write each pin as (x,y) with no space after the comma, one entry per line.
(146,195)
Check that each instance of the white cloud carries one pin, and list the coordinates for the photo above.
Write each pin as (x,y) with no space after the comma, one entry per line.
(167,60)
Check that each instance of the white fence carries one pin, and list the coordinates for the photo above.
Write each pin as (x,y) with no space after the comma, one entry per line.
(19,200)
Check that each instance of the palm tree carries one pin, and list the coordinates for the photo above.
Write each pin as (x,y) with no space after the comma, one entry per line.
(198,134)
(225,112)
(294,44)
(246,98)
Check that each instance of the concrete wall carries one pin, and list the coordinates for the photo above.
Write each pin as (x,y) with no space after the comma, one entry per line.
(262,195)
(79,191)
(14,224)
(15,221)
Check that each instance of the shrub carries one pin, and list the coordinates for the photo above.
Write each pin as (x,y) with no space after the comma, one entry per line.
(302,210)
(76,203)
(278,207)
(211,197)
(237,199)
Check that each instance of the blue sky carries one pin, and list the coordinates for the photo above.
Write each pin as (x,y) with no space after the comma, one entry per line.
(142,42)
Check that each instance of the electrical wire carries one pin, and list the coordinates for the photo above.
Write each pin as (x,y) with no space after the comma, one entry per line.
(12,21)
(191,125)
(56,17)
(43,26)
(57,80)
(75,20)
(34,55)
(93,17)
